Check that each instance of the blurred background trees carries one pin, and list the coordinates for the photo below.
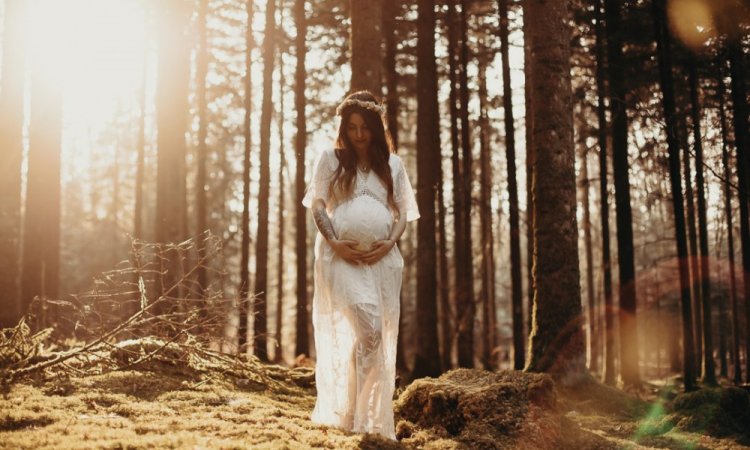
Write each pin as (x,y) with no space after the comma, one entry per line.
(161,120)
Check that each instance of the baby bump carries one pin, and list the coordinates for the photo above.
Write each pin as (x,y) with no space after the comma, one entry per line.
(362,219)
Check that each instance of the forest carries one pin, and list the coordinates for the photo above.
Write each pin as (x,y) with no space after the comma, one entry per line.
(579,275)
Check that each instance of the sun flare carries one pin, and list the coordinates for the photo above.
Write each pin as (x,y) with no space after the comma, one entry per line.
(94,50)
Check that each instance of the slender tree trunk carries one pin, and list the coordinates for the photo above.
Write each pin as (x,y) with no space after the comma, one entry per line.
(515,229)
(41,242)
(427,359)
(459,231)
(141,145)
(465,278)
(200,182)
(628,325)
(172,110)
(709,368)
(366,39)
(557,342)
(693,243)
(260,306)
(737,374)
(665,77)
(608,368)
(11,143)
(302,345)
(589,260)
(278,354)
(248,142)
(529,125)
(485,217)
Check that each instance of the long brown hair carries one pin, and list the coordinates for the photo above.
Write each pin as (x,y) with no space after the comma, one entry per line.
(381,147)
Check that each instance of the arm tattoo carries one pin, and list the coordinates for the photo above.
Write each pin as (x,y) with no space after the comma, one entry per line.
(323,222)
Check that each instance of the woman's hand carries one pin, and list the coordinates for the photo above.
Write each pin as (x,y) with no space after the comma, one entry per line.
(377,251)
(347,250)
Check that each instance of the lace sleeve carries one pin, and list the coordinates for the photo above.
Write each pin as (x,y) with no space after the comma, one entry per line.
(403,194)
(320,181)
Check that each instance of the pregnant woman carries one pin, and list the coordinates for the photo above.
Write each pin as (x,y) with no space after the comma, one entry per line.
(361,200)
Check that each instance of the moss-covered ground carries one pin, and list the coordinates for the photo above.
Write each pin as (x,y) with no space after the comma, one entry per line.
(244,404)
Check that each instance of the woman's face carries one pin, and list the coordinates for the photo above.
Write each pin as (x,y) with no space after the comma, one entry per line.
(358,132)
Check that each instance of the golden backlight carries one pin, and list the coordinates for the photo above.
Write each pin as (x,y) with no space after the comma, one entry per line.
(94,50)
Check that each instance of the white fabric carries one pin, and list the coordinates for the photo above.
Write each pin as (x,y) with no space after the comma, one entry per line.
(356,307)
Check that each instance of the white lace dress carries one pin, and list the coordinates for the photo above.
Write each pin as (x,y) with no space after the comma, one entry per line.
(356,307)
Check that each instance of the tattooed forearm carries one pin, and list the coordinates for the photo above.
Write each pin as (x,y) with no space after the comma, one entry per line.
(323,222)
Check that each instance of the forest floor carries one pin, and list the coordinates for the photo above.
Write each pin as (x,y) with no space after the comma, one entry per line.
(216,401)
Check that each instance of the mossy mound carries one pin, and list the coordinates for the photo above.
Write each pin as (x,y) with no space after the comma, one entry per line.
(478,409)
(717,412)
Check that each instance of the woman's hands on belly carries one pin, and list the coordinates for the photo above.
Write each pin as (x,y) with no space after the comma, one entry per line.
(347,250)
(377,251)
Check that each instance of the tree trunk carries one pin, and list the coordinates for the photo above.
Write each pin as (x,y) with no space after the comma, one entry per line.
(591,322)
(427,359)
(278,354)
(693,243)
(302,344)
(260,306)
(171,116)
(465,301)
(41,242)
(366,40)
(737,374)
(739,100)
(628,325)
(459,231)
(141,145)
(247,128)
(608,367)
(665,77)
(709,368)
(200,182)
(519,352)
(390,10)
(485,217)
(557,341)
(529,125)
(11,143)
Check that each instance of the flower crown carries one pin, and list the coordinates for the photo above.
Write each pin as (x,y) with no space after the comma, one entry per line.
(371,106)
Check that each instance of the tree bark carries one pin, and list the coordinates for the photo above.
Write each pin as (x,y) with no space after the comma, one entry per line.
(366,42)
(485,217)
(260,307)
(692,242)
(390,10)
(608,368)
(11,143)
(459,231)
(737,373)
(465,302)
(529,125)
(739,101)
(557,341)
(519,352)
(427,358)
(278,353)
(200,182)
(247,131)
(302,344)
(627,290)
(171,111)
(41,242)
(665,79)
(709,368)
